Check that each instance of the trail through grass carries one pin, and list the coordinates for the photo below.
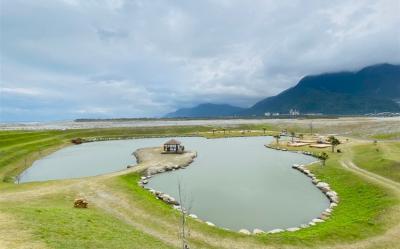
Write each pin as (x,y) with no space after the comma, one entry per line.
(381,158)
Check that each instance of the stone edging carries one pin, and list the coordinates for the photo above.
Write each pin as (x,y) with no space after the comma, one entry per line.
(322,186)
(162,196)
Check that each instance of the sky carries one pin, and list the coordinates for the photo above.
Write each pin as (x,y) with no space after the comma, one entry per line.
(67,59)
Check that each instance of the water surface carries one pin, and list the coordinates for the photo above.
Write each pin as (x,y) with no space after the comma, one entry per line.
(234,182)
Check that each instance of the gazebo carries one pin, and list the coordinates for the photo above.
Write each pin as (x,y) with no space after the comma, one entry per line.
(173,146)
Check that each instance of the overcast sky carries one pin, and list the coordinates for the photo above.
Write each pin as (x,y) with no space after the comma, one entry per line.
(64,59)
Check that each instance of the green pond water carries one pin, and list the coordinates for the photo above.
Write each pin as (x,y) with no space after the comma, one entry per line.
(234,182)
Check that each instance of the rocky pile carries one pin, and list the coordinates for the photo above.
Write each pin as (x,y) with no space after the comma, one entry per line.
(323,186)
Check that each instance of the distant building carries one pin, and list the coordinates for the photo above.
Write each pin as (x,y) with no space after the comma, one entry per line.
(294,112)
(267,114)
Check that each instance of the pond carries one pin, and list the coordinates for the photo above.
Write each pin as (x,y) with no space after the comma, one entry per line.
(234,182)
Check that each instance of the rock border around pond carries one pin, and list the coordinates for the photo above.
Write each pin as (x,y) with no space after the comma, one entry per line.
(153,170)
(322,186)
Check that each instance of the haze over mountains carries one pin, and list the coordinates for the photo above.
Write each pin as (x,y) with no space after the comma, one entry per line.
(372,89)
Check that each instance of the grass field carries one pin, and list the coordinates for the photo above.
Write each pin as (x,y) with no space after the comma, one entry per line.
(123,215)
(380,158)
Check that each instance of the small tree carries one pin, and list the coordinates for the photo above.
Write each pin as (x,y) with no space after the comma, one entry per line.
(334,142)
(301,136)
(224,130)
(264,129)
(277,137)
(323,156)
(214,130)
(184,230)
(292,134)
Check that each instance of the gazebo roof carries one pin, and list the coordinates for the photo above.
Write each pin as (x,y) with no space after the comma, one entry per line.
(173,142)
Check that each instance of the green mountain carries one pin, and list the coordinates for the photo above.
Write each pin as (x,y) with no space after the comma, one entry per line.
(206,110)
(372,89)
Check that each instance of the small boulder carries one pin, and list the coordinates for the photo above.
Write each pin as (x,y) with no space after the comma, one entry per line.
(244,231)
(193,216)
(317,220)
(276,231)
(293,229)
(258,231)
(210,224)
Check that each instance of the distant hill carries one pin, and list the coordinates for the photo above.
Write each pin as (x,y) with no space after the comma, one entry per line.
(372,89)
(206,110)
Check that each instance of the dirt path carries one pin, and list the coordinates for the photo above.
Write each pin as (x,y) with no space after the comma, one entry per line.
(383,181)
(391,238)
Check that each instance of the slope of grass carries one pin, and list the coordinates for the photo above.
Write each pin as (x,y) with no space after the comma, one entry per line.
(381,158)
(54,221)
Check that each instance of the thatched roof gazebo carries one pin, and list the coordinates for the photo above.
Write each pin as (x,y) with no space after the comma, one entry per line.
(173,146)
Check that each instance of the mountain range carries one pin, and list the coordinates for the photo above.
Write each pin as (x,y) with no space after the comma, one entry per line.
(206,110)
(372,89)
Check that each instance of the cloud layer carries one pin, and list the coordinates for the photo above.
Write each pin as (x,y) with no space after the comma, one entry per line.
(63,59)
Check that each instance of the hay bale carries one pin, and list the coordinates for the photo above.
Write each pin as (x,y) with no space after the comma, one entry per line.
(80,203)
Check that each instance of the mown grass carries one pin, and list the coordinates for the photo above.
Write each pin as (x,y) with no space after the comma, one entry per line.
(364,209)
(55,222)
(387,136)
(380,158)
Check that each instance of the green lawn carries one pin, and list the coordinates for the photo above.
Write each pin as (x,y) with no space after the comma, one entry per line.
(381,158)
(390,135)
(54,221)
(364,211)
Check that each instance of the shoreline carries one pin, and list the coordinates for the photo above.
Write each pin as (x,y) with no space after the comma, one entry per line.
(147,174)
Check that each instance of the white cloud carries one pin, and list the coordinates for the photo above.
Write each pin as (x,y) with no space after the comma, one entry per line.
(146,58)
(20,91)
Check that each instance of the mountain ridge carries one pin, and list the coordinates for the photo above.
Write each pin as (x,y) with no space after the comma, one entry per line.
(374,88)
(206,110)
